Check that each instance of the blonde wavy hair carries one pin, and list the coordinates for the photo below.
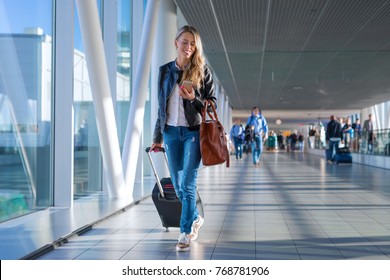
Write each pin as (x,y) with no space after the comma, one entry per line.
(195,71)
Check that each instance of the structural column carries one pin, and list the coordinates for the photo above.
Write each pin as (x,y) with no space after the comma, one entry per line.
(101,94)
(63,105)
(226,116)
(133,135)
(163,52)
(110,33)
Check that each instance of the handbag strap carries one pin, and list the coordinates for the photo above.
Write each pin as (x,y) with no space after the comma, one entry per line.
(213,117)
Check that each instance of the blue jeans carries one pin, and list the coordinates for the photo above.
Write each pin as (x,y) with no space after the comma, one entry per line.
(332,150)
(238,146)
(183,151)
(257,149)
(300,146)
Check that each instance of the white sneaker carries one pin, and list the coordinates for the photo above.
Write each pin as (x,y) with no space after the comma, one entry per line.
(183,244)
(196,225)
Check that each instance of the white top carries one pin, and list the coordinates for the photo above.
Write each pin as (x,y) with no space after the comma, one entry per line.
(175,110)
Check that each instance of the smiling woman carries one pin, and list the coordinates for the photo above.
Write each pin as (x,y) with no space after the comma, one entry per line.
(178,123)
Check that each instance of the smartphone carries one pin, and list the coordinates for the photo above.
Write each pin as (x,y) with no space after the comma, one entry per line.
(187,85)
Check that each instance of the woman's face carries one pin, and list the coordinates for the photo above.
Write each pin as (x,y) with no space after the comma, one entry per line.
(185,45)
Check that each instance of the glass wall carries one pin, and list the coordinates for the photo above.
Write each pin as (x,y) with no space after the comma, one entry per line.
(87,156)
(124,69)
(358,140)
(25,106)
(377,142)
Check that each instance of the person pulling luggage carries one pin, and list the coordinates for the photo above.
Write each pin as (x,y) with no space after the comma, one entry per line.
(183,86)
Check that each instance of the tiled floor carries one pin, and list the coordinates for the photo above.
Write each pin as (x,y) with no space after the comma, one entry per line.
(295,206)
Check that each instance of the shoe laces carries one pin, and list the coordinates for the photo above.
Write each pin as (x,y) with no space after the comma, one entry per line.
(183,238)
(197,223)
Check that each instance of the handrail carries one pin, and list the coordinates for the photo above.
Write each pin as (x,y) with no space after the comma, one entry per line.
(359,143)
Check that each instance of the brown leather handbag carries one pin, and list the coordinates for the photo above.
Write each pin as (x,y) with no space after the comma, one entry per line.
(213,142)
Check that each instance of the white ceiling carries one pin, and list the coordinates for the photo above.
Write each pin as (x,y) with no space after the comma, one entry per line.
(296,59)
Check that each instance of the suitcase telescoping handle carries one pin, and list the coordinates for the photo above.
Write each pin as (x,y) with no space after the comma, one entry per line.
(156,150)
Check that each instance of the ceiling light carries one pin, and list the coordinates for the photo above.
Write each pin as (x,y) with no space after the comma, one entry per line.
(323,92)
(297,87)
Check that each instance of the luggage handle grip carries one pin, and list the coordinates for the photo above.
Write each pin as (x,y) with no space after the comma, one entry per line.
(157,149)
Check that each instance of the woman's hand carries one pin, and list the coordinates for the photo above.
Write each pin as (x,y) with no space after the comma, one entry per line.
(184,93)
(156,146)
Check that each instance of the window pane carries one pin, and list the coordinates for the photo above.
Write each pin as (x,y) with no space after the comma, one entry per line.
(87,157)
(25,106)
(123,67)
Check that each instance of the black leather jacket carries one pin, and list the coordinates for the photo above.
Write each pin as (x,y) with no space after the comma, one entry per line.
(333,130)
(168,77)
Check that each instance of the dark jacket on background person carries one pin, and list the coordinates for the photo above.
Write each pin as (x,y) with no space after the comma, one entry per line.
(333,130)
(169,75)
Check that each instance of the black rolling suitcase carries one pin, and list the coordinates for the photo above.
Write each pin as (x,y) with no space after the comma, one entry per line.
(343,155)
(164,197)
